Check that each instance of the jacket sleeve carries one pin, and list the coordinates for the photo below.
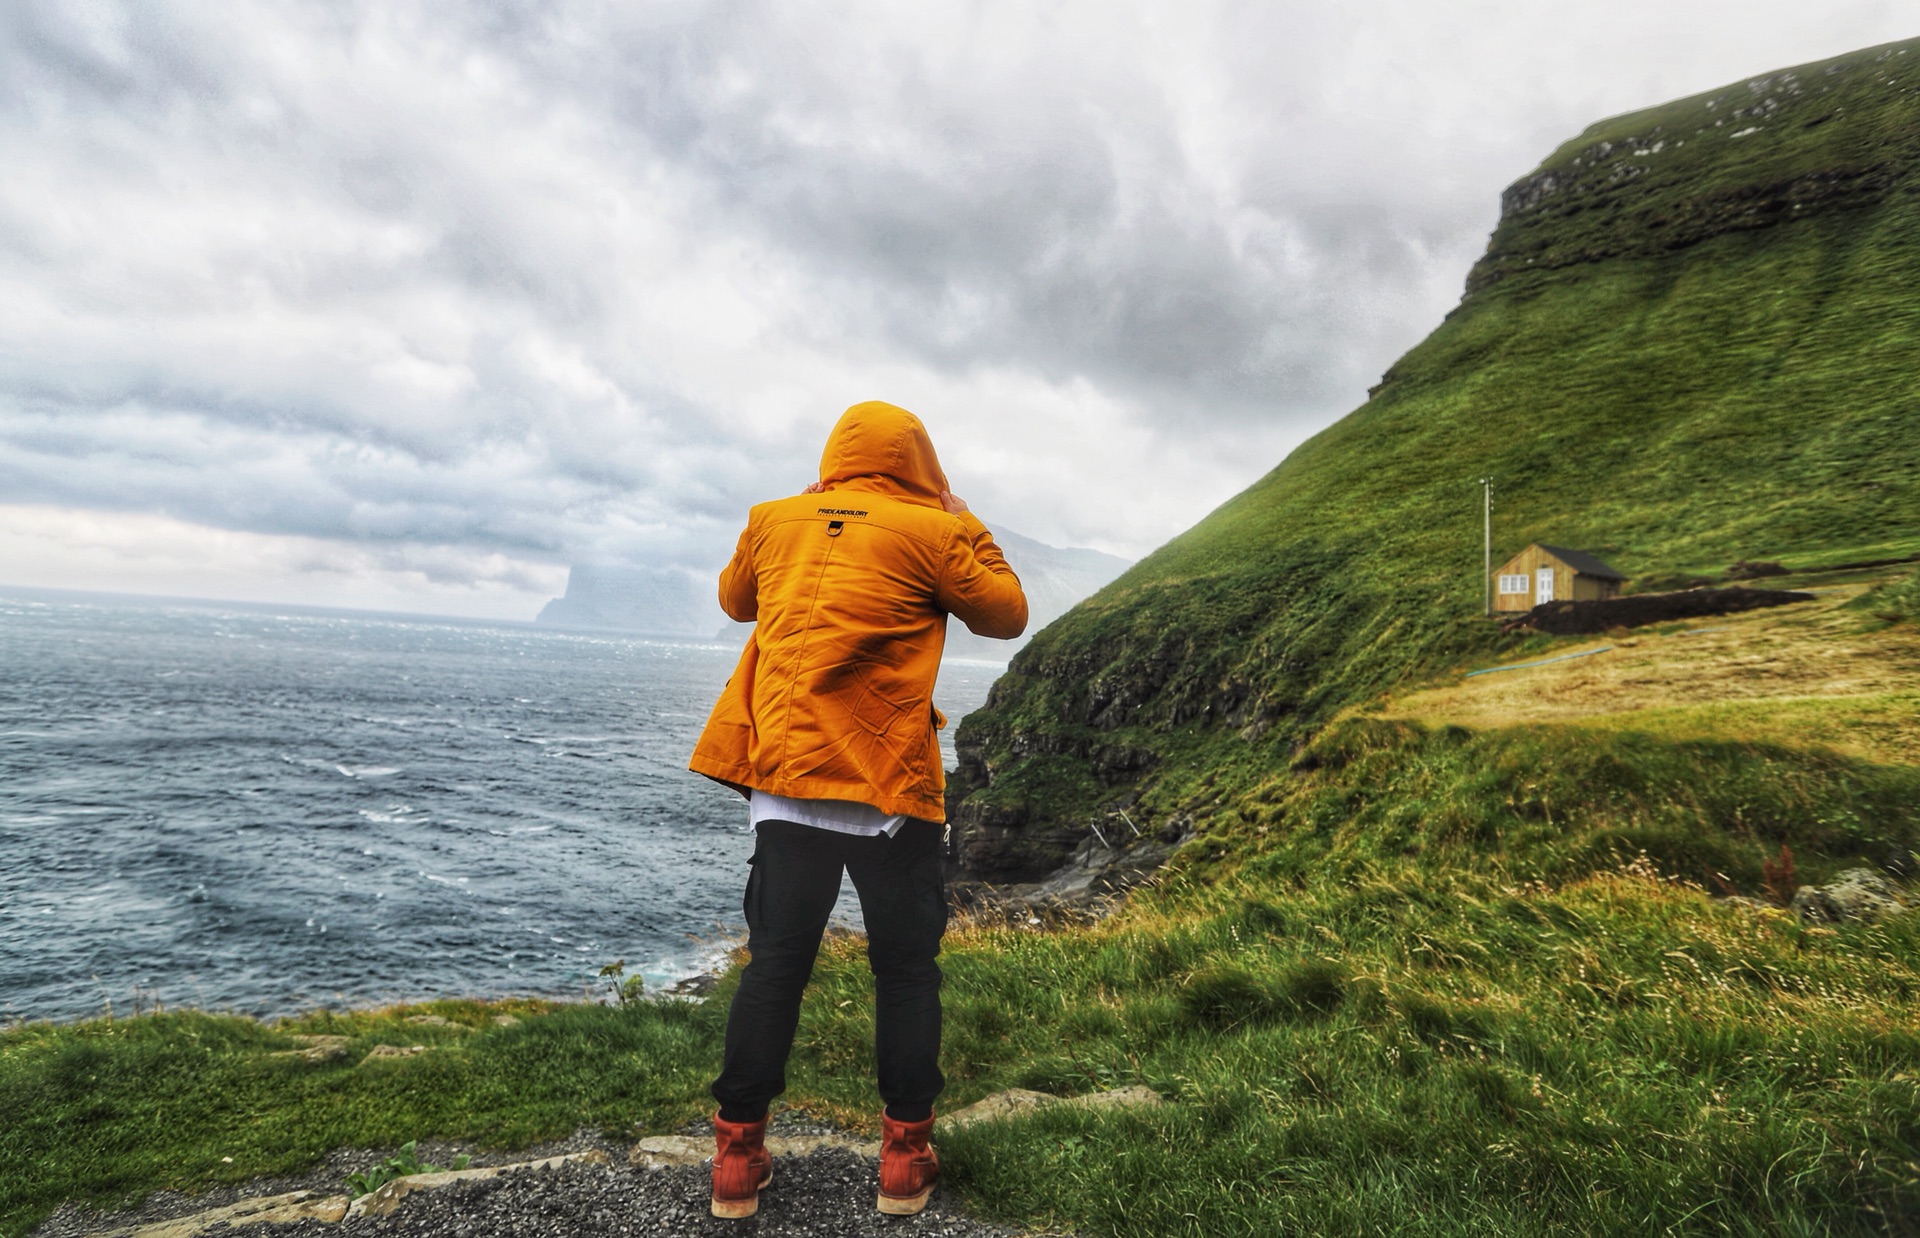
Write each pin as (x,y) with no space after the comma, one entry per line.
(977,585)
(739,586)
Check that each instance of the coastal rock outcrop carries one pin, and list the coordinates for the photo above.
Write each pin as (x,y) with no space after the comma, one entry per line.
(1091,881)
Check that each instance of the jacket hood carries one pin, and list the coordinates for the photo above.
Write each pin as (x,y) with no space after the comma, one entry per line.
(883,447)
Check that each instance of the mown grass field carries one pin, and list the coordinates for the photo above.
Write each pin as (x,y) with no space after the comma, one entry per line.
(1831,668)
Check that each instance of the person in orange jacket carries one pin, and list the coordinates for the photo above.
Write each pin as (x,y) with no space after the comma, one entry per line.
(828,728)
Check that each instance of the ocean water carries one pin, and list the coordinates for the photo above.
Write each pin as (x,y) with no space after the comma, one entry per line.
(235,809)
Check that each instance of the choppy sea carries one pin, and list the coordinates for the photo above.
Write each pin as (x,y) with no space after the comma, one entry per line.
(238,809)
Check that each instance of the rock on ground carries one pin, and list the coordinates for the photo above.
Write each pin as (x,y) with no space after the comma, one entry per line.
(327,1179)
(1856,894)
(1089,886)
(1018,1102)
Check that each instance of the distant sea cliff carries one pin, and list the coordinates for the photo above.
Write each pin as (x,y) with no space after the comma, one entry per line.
(674,601)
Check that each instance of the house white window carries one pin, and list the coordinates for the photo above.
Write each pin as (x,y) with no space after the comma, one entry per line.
(1513,584)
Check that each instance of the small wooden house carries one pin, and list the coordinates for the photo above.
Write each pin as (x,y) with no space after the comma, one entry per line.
(1552,574)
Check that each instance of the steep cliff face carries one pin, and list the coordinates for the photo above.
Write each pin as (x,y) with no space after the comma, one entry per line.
(1757,154)
(660,601)
(1691,341)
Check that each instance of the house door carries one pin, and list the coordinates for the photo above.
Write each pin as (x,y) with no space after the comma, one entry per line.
(1543,586)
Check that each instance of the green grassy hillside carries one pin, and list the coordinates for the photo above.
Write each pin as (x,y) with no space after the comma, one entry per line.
(1691,341)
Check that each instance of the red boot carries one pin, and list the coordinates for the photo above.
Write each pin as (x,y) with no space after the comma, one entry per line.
(908,1166)
(741,1166)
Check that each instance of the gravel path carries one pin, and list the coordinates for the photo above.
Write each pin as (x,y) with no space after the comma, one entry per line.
(826,1192)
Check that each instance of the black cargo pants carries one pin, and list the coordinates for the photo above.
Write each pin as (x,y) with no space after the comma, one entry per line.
(791,888)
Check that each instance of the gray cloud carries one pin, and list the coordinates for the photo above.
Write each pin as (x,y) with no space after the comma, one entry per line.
(453,281)
(1043,216)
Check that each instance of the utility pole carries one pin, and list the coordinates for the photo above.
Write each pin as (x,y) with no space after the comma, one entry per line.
(1486,570)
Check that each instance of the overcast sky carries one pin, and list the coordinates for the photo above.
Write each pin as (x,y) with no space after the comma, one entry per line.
(408,305)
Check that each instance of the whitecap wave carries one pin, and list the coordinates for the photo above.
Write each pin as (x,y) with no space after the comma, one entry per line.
(396,814)
(575,739)
(368,771)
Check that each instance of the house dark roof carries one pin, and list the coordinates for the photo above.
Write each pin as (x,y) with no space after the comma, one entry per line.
(1582,562)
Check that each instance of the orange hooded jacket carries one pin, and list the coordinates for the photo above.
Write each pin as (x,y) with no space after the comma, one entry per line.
(849,590)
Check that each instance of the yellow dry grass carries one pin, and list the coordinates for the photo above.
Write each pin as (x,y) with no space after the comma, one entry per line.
(1811,674)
